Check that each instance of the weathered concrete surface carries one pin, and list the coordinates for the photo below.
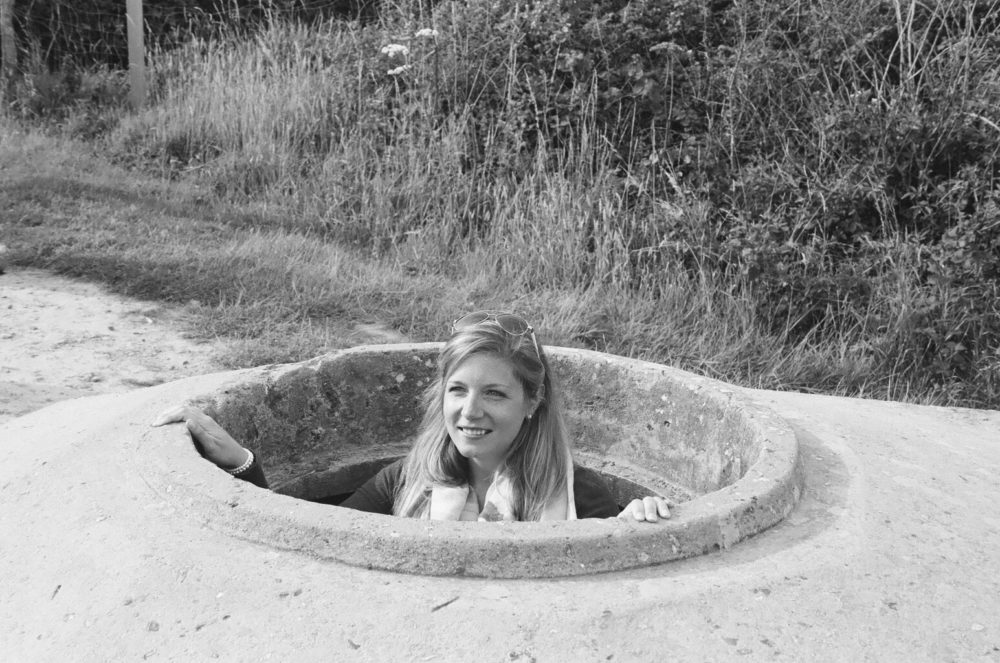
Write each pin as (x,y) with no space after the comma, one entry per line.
(892,554)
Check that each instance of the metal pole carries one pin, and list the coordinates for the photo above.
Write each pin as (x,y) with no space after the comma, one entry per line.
(136,55)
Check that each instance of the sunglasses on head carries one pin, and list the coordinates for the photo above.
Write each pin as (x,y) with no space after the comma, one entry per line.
(513,324)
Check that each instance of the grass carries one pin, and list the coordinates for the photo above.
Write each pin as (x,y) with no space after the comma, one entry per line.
(284,295)
(287,188)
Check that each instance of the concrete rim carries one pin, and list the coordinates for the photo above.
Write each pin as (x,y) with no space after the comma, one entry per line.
(764,495)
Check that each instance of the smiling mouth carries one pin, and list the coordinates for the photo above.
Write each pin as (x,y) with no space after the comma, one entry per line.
(470,431)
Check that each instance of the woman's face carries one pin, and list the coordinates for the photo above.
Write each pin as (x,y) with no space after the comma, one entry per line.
(484,408)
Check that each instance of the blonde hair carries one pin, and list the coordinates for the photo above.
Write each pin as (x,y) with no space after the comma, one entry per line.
(537,460)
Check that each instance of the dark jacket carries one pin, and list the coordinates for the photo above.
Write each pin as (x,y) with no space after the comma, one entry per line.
(591,495)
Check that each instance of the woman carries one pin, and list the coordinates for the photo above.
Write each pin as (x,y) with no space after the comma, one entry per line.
(492,444)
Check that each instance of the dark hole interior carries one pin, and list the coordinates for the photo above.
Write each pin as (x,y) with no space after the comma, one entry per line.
(332,499)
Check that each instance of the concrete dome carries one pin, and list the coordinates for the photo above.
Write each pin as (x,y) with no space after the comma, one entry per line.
(324,426)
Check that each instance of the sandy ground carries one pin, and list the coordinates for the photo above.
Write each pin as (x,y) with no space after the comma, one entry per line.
(61,339)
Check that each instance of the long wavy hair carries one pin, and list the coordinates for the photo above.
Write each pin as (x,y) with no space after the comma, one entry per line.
(537,460)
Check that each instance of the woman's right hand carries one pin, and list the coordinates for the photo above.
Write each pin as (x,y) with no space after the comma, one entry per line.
(212,441)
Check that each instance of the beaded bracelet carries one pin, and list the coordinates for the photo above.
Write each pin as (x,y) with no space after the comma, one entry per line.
(245,466)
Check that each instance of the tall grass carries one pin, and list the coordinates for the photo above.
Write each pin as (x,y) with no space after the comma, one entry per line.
(780,194)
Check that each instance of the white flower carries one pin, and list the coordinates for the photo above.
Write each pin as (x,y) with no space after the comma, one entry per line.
(426,32)
(399,70)
(392,50)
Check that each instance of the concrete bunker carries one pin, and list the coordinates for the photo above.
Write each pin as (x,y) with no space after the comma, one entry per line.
(324,426)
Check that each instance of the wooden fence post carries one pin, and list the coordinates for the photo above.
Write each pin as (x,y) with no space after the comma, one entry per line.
(136,55)
(8,49)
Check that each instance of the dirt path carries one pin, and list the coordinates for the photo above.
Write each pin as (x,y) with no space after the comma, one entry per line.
(61,339)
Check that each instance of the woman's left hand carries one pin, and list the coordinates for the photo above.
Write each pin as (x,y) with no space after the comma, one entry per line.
(648,509)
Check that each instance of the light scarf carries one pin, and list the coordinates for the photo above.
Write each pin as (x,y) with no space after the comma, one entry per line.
(460,503)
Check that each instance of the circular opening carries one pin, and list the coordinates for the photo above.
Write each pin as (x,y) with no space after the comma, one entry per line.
(325,426)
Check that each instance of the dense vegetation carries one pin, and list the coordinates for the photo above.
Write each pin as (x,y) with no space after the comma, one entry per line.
(779,193)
